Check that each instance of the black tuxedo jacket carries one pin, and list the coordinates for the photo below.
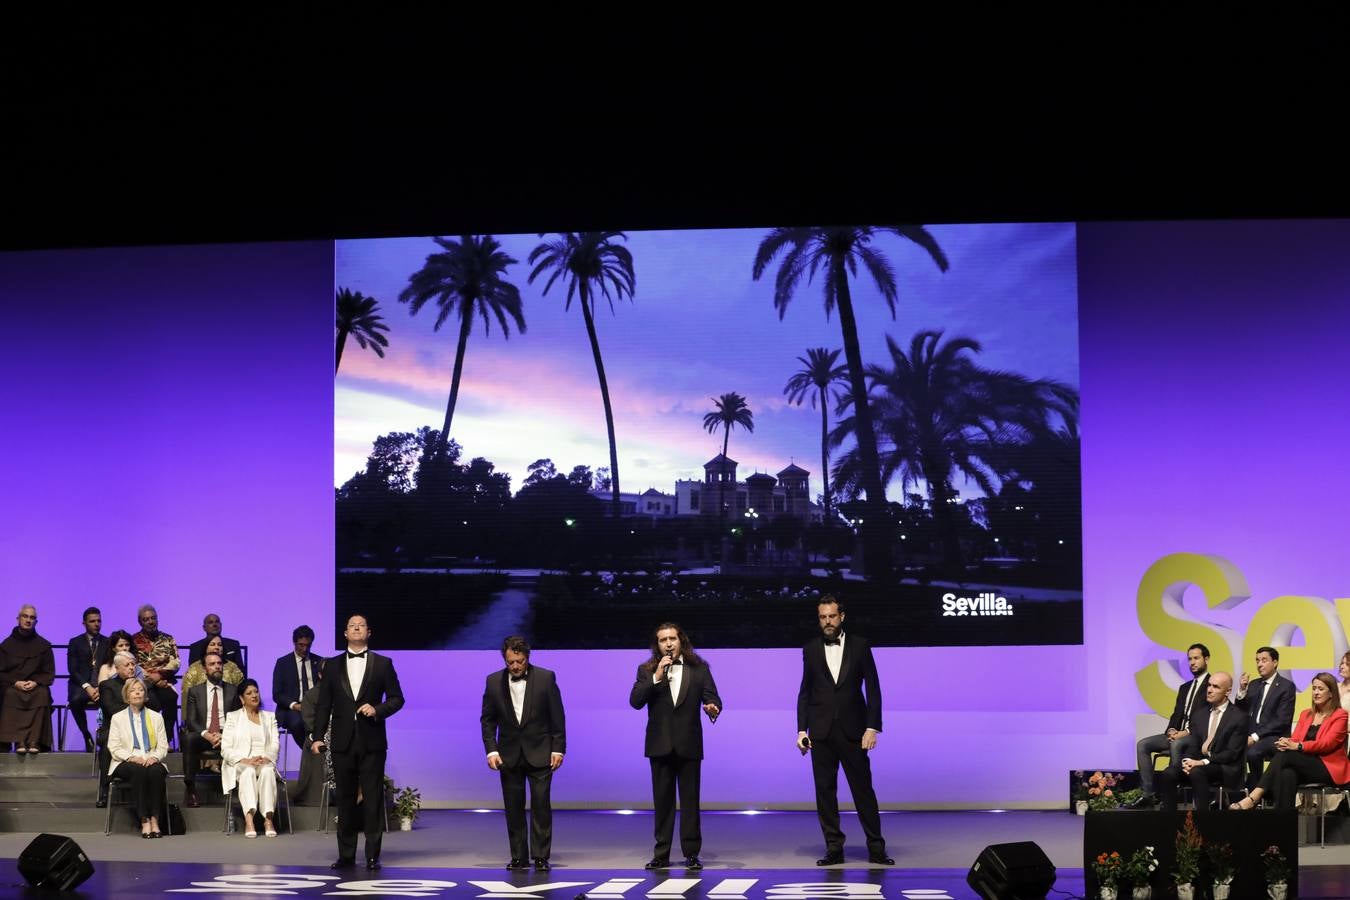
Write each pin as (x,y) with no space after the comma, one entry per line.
(339,700)
(542,729)
(1277,716)
(1180,719)
(1229,748)
(81,665)
(674,727)
(286,680)
(823,705)
(232,652)
(198,710)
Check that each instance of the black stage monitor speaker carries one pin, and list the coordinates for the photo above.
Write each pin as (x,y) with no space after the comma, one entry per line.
(54,862)
(1019,871)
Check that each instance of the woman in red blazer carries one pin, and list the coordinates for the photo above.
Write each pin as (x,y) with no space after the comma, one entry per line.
(1314,754)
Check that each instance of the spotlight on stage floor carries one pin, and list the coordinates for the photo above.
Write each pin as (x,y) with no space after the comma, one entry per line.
(55,862)
(1019,871)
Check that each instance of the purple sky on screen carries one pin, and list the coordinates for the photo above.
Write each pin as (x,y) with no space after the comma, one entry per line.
(699,327)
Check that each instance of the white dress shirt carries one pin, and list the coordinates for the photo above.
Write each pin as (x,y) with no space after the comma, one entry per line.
(834,657)
(356,673)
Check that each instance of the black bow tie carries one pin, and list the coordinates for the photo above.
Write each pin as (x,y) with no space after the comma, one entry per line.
(832,642)
(520,677)
(676,663)
(361,655)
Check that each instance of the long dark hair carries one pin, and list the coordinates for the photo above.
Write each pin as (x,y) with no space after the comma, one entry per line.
(245,685)
(686,648)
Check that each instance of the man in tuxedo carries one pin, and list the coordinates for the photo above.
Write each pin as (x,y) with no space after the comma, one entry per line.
(1177,740)
(232,651)
(1220,728)
(204,720)
(525,737)
(111,702)
(85,654)
(837,724)
(360,691)
(674,684)
(292,676)
(1268,702)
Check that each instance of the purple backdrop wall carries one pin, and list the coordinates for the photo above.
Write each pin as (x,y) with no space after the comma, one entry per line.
(168,423)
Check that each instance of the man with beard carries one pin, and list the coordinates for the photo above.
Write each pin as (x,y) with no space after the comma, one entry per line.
(525,736)
(86,653)
(837,724)
(111,703)
(674,684)
(204,720)
(27,670)
(1177,740)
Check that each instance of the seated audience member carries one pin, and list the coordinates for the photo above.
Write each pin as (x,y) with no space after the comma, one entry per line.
(138,744)
(207,705)
(1344,669)
(1176,741)
(1268,702)
(231,651)
(292,676)
(27,670)
(157,656)
(249,752)
(1314,754)
(110,703)
(118,642)
(86,654)
(1220,729)
(196,673)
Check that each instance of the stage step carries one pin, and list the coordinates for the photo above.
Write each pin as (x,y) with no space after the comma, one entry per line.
(85,818)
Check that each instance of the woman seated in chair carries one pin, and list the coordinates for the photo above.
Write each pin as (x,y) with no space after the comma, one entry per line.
(137,743)
(196,673)
(1313,754)
(248,750)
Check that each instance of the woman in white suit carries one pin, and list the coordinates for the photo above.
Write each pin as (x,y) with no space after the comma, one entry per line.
(249,748)
(138,743)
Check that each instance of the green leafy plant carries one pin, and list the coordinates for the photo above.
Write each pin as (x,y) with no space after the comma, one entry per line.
(1220,859)
(1189,846)
(1107,868)
(407,803)
(1139,868)
(1275,865)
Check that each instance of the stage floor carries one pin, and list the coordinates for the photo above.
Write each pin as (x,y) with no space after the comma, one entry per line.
(750,856)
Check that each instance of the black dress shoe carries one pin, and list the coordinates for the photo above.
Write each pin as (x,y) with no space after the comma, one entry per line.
(342,863)
(658,862)
(880,859)
(517,863)
(373,865)
(102,801)
(831,858)
(693,863)
(541,864)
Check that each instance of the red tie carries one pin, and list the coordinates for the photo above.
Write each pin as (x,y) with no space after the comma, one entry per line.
(215,712)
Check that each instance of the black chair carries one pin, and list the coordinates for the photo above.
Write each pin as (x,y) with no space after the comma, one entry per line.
(283,793)
(116,790)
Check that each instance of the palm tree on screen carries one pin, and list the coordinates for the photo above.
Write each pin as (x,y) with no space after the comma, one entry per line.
(819,372)
(731,411)
(592,262)
(358,317)
(837,251)
(465,280)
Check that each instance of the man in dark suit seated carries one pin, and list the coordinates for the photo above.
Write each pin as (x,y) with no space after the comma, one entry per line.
(1221,729)
(204,721)
(292,677)
(525,737)
(86,653)
(675,684)
(1268,702)
(232,652)
(111,703)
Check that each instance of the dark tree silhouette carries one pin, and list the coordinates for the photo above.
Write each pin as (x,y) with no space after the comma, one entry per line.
(592,263)
(358,316)
(838,251)
(465,280)
(731,410)
(818,373)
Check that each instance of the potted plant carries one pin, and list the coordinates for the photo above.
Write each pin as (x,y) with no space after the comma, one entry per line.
(1277,872)
(1186,871)
(1080,794)
(1220,859)
(407,804)
(1138,873)
(1106,867)
(1101,791)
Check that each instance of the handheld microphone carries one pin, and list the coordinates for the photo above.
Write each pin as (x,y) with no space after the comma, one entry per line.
(805,746)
